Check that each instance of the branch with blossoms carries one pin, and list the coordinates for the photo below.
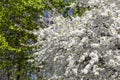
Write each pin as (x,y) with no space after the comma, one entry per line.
(88,47)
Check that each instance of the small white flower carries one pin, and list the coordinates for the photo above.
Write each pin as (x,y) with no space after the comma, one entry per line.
(74,70)
(84,71)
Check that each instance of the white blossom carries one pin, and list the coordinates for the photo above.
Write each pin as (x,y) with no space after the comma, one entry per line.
(86,48)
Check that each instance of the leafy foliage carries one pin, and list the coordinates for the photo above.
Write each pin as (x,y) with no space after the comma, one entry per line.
(17,18)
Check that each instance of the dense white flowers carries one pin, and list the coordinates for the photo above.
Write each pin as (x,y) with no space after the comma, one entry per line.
(90,3)
(86,48)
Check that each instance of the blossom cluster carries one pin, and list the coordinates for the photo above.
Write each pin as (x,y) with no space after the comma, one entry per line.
(90,3)
(86,48)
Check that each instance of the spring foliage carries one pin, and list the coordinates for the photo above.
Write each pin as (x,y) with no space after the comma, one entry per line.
(17,18)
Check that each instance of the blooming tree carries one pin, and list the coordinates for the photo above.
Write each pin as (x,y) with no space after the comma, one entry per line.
(84,48)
